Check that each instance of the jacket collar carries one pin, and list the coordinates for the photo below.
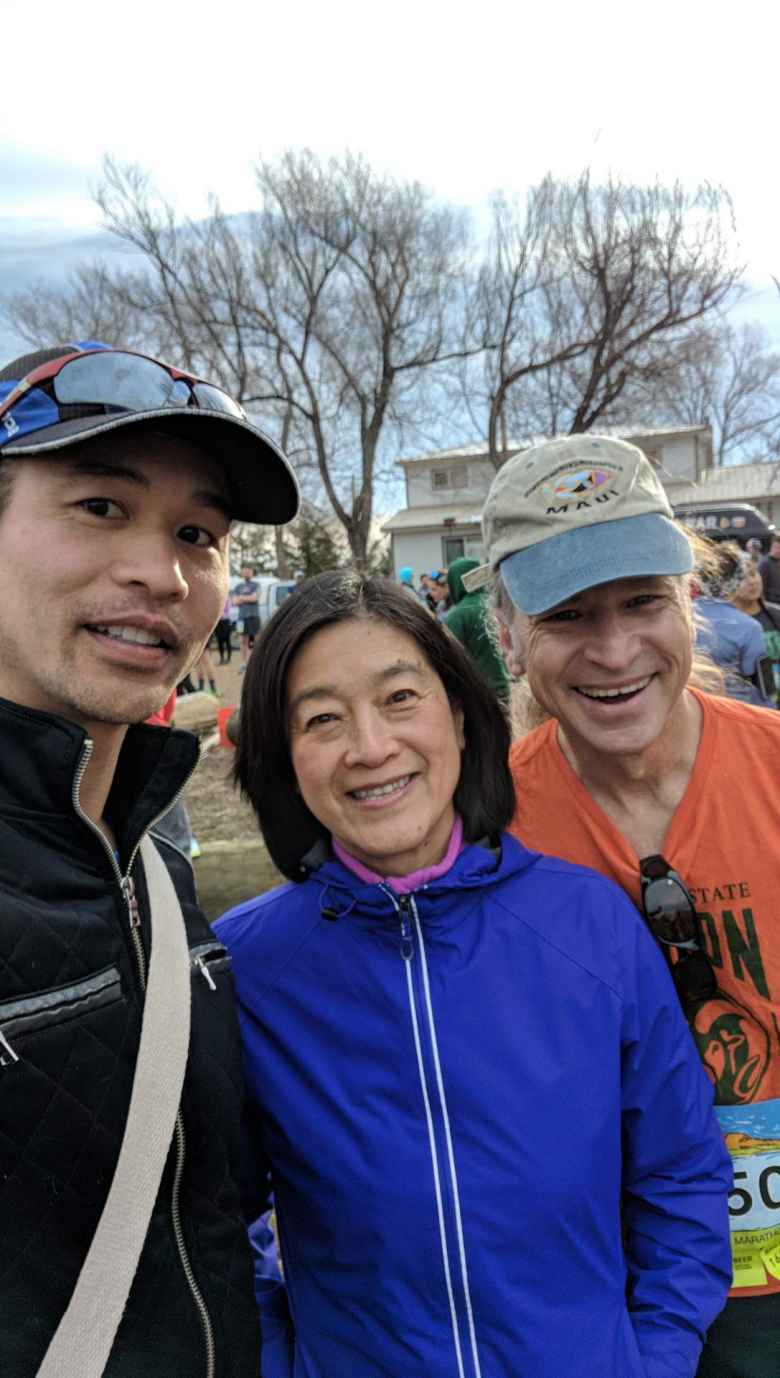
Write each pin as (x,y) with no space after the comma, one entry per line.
(41,755)
(478,867)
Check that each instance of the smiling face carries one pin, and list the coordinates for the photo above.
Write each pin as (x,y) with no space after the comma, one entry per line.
(113,570)
(375,744)
(611,664)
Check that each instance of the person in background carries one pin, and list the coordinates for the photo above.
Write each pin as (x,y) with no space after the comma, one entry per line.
(204,670)
(754,549)
(437,593)
(468,620)
(222,632)
(406,581)
(490,1141)
(748,598)
(769,569)
(245,598)
(235,620)
(623,763)
(120,476)
(732,638)
(425,592)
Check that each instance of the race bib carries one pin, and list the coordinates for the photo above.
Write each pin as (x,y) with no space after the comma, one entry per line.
(752,1134)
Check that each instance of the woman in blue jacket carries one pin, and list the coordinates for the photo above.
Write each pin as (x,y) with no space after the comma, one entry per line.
(471,1088)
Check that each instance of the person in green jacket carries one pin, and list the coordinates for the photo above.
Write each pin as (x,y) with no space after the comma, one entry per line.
(467,620)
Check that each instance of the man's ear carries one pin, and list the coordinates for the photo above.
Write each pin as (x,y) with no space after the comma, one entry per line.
(512,658)
(504,639)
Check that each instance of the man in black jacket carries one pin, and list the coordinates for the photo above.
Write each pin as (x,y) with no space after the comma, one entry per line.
(119,478)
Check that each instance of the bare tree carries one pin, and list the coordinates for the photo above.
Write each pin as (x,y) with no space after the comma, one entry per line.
(586,290)
(322,312)
(339,312)
(727,376)
(87,307)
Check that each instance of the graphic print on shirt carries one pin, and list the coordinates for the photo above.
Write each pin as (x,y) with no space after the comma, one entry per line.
(734,1047)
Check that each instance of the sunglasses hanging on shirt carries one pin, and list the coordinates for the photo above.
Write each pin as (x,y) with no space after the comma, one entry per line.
(670,914)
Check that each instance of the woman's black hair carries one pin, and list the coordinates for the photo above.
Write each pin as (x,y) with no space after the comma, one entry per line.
(484,797)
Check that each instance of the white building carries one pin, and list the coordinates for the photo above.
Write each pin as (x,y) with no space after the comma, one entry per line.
(445,492)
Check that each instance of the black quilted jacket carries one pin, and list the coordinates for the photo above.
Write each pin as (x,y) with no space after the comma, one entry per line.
(70,1017)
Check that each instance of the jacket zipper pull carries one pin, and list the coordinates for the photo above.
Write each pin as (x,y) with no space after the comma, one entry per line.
(7,1054)
(205,973)
(407,939)
(128,891)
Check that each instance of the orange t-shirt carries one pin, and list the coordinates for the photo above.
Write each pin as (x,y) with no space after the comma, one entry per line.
(724,841)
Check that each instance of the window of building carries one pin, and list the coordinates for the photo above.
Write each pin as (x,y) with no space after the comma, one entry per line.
(453,547)
(457,477)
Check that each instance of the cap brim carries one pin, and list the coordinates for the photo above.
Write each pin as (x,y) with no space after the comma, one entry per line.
(548,573)
(262,484)
(475,579)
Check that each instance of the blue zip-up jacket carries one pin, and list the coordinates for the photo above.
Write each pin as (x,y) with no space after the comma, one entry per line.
(489,1135)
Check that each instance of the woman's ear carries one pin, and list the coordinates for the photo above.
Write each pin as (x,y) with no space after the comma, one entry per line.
(457,716)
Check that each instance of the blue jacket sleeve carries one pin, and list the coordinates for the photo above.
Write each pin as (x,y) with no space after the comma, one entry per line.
(676,1172)
(277,1354)
(277,1336)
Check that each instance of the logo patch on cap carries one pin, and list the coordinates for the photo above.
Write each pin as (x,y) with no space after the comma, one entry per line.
(575,481)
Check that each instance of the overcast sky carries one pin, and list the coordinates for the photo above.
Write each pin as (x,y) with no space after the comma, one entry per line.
(464,98)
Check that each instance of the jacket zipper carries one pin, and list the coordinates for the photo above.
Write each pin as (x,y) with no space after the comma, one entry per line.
(206,958)
(445,1178)
(127,888)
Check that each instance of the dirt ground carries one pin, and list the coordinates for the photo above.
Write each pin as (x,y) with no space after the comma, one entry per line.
(217,811)
(234,864)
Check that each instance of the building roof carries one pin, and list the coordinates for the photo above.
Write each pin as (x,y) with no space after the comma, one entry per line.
(433,518)
(479,450)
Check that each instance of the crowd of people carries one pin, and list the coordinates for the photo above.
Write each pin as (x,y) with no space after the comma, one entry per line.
(503,1054)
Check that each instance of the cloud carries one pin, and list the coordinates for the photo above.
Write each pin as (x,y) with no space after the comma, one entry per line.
(31,177)
(44,250)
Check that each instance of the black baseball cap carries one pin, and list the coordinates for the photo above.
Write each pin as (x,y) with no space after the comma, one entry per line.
(69,393)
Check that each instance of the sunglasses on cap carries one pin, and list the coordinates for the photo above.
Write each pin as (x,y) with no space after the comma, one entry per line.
(670,914)
(120,381)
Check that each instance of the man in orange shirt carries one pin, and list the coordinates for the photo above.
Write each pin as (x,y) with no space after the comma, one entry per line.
(633,770)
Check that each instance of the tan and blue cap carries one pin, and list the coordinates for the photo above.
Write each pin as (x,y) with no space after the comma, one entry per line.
(573,513)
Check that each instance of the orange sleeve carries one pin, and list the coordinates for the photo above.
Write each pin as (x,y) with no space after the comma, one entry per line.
(164,716)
